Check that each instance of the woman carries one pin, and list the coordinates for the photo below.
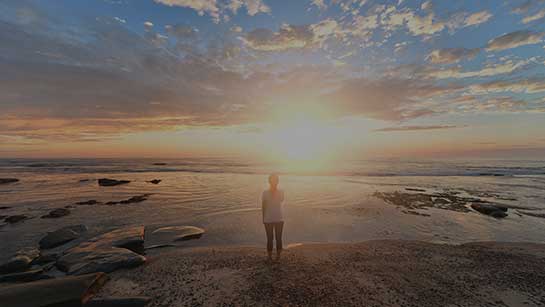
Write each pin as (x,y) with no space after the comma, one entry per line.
(271,205)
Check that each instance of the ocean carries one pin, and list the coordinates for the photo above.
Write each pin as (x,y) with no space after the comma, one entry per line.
(347,202)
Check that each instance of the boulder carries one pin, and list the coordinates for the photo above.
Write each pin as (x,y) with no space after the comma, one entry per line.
(105,253)
(164,236)
(56,213)
(88,202)
(491,210)
(8,180)
(139,301)
(15,218)
(25,276)
(155,181)
(62,236)
(63,291)
(17,263)
(105,182)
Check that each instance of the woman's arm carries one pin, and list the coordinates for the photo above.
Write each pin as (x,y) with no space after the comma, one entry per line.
(263,204)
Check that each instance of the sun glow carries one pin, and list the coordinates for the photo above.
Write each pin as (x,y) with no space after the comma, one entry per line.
(303,139)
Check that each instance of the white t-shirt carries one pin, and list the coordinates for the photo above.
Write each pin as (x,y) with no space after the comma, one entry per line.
(273,206)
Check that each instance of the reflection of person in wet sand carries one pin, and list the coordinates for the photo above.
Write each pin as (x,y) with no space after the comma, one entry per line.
(271,205)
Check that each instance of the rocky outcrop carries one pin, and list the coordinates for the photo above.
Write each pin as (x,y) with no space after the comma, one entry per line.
(105,182)
(105,253)
(62,236)
(140,301)
(492,210)
(8,180)
(65,291)
(56,213)
(12,219)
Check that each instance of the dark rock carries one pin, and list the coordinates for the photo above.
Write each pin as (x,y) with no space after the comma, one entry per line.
(105,253)
(140,301)
(45,258)
(56,213)
(533,214)
(155,181)
(88,202)
(134,199)
(15,218)
(492,210)
(159,164)
(26,276)
(415,190)
(105,182)
(4,207)
(8,180)
(16,264)
(165,236)
(63,291)
(84,180)
(62,236)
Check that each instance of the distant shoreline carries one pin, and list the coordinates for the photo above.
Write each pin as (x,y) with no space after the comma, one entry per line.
(371,273)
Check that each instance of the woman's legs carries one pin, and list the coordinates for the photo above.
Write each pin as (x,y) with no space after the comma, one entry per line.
(269,230)
(278,227)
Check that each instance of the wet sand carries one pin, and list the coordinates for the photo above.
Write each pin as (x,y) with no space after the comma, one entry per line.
(372,273)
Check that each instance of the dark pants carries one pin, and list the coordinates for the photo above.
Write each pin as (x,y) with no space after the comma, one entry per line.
(277,228)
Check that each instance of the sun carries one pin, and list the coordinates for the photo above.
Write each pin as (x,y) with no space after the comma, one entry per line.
(302,140)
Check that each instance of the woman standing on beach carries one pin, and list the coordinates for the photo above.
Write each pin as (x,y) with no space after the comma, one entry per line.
(271,205)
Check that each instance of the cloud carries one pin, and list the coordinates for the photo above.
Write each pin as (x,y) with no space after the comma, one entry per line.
(451,55)
(523,7)
(477,18)
(292,36)
(201,6)
(529,86)
(320,4)
(416,128)
(216,11)
(514,39)
(537,16)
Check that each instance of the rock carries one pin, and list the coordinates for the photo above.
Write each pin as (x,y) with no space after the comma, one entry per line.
(4,207)
(62,236)
(165,235)
(63,291)
(45,258)
(134,199)
(8,180)
(415,190)
(84,180)
(492,210)
(105,253)
(56,213)
(105,182)
(88,203)
(139,301)
(17,263)
(155,181)
(24,276)
(159,164)
(15,218)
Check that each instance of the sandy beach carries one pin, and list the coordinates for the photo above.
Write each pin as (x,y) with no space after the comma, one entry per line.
(372,273)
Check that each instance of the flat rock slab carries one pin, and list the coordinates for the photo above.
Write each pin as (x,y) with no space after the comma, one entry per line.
(62,236)
(106,182)
(68,291)
(105,253)
(12,219)
(165,236)
(56,213)
(20,262)
(26,276)
(8,180)
(140,301)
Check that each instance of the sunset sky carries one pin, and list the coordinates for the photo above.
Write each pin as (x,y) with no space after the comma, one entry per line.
(300,79)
